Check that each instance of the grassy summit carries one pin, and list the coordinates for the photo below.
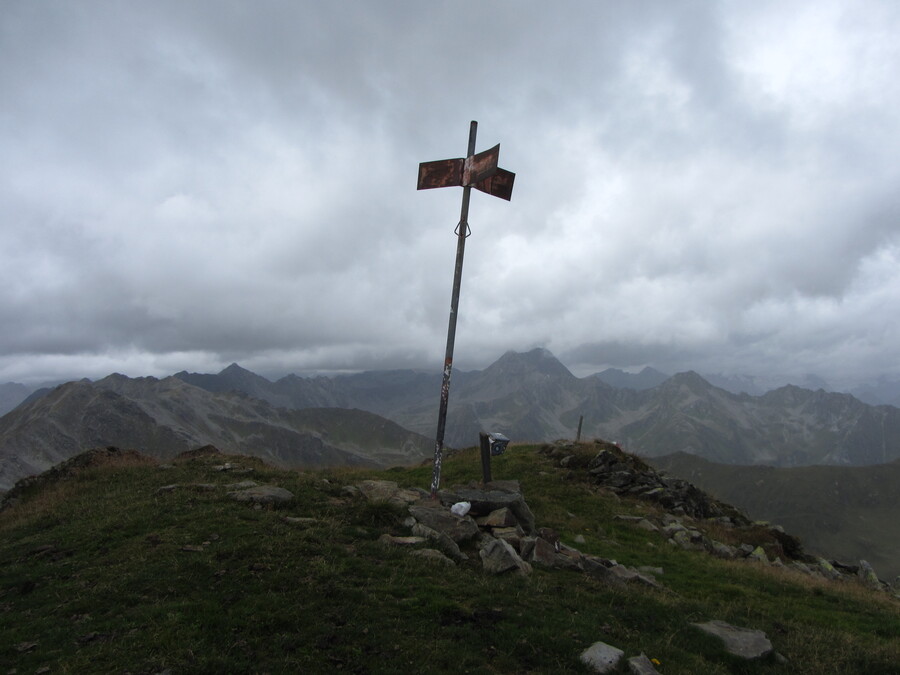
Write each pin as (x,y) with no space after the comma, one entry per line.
(101,571)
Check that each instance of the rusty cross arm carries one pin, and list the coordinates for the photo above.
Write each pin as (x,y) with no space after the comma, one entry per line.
(473,171)
(478,171)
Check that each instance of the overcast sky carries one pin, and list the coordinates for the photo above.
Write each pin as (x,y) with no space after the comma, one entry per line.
(699,185)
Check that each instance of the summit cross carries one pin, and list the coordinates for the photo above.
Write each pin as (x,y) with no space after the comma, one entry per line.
(473,171)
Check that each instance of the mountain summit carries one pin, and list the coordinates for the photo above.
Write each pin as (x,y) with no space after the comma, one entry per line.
(538,361)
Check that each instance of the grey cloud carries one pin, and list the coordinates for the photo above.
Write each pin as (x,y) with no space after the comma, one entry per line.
(200,183)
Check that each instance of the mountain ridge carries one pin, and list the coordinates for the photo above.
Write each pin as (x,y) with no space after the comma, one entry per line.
(168,416)
(848,512)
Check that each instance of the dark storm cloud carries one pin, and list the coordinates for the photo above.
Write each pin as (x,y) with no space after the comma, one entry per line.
(706,186)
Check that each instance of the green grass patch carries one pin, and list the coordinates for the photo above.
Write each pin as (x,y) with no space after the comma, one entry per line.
(102,572)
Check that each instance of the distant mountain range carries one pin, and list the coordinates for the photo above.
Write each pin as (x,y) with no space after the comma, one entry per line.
(165,417)
(884,391)
(527,396)
(533,397)
(846,512)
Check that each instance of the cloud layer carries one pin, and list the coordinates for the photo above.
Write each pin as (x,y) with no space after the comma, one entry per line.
(706,186)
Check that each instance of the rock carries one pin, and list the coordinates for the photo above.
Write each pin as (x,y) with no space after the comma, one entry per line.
(498,556)
(485,501)
(631,576)
(433,555)
(511,534)
(526,547)
(441,539)
(263,494)
(867,575)
(391,540)
(827,569)
(645,524)
(746,643)
(201,487)
(674,527)
(802,567)
(579,539)
(350,491)
(688,540)
(723,550)
(388,491)
(440,519)
(759,555)
(603,658)
(499,518)
(641,665)
(166,488)
(599,569)
(648,569)
(243,485)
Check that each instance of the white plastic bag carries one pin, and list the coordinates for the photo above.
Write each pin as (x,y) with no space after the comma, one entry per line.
(460,508)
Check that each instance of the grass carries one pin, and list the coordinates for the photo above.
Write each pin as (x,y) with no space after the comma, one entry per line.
(102,573)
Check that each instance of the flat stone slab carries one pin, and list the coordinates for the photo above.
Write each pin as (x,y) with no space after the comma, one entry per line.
(401,541)
(434,556)
(746,643)
(601,657)
(263,494)
(485,502)
(439,518)
(243,485)
(498,556)
(499,518)
(641,665)
(388,491)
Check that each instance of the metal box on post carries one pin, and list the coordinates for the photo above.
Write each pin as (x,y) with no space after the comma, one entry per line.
(498,443)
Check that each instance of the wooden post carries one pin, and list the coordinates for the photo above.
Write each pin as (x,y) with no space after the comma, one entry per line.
(578,435)
(485,457)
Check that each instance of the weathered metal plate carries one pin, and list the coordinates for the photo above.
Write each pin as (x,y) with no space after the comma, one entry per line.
(442,173)
(498,185)
(481,166)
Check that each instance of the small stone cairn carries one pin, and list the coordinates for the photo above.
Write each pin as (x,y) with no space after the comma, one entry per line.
(687,511)
(499,528)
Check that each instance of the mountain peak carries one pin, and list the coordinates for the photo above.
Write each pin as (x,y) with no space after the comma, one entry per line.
(235,369)
(690,379)
(538,360)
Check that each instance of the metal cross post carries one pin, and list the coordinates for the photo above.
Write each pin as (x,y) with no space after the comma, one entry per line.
(482,173)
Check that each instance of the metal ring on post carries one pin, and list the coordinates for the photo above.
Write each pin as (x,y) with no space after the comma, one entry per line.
(468,230)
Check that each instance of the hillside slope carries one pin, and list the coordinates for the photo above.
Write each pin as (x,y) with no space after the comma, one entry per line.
(165,417)
(120,564)
(848,512)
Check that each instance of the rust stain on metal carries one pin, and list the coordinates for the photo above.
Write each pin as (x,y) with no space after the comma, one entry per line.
(481,166)
(442,173)
(499,185)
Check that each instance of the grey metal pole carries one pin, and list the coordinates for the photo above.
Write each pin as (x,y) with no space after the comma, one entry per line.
(462,231)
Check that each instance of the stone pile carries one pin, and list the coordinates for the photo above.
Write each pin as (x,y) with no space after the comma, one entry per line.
(688,510)
(629,476)
(499,528)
